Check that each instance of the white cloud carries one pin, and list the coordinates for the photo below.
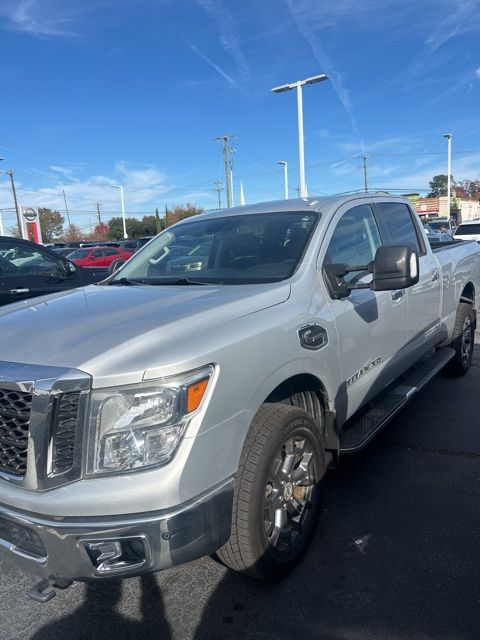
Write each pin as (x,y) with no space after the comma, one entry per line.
(45,19)
(477,72)
(212,64)
(229,38)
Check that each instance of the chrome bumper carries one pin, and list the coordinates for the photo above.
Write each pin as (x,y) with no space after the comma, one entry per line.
(95,548)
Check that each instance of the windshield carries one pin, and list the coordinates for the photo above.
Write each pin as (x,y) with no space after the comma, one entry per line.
(79,253)
(232,250)
(439,225)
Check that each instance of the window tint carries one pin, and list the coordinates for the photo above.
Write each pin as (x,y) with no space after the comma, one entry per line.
(98,253)
(355,239)
(468,229)
(110,252)
(22,260)
(397,224)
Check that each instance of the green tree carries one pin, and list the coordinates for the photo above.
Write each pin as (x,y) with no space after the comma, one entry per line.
(438,185)
(134,228)
(149,225)
(159,222)
(51,223)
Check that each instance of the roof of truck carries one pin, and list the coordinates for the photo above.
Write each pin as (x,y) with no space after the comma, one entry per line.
(316,203)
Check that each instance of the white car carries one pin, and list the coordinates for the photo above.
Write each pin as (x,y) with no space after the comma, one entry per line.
(468,231)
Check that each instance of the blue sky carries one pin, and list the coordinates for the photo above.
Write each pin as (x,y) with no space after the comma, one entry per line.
(134,93)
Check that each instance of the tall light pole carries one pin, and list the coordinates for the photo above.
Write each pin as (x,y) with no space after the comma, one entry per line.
(119,186)
(448,136)
(301,150)
(285,176)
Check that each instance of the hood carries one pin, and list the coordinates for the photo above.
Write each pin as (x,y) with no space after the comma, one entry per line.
(104,329)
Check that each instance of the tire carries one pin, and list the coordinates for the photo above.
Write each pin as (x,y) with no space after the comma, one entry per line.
(463,341)
(278,493)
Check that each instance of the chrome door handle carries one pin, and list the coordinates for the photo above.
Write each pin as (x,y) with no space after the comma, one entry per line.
(19,291)
(398,294)
(435,276)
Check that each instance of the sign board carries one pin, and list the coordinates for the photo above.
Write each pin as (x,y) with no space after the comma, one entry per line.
(31,224)
(30,214)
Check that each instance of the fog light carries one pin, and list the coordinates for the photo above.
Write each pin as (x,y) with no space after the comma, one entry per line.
(117,556)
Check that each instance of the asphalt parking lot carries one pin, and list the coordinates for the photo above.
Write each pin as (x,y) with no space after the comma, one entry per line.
(396,555)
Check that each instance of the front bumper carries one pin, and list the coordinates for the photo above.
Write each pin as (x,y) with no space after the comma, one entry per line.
(85,548)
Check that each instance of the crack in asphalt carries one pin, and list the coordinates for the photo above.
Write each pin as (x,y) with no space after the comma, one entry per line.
(445,452)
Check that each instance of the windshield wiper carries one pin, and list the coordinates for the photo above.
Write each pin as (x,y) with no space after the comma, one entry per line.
(125,282)
(180,281)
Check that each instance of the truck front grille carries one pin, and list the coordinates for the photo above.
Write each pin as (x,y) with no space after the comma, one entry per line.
(14,430)
(65,432)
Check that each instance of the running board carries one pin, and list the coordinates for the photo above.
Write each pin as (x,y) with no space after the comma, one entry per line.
(364,429)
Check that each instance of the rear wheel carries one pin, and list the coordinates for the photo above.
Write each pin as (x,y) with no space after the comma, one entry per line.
(278,493)
(463,341)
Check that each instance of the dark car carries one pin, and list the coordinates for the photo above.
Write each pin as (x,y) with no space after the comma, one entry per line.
(28,269)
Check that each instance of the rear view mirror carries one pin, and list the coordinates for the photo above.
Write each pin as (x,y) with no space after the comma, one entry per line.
(395,267)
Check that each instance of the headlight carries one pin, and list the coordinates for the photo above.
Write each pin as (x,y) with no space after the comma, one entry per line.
(140,426)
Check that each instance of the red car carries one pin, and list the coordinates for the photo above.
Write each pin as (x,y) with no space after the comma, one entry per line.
(98,256)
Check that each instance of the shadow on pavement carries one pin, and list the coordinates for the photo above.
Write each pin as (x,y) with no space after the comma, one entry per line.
(98,617)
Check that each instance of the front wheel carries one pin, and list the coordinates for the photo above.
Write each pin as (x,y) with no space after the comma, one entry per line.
(463,341)
(278,493)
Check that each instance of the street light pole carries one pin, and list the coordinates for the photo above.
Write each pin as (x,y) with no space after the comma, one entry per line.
(448,136)
(285,176)
(119,186)
(298,84)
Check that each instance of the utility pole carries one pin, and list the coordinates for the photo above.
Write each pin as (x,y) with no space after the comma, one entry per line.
(17,208)
(66,207)
(99,215)
(228,182)
(365,172)
(218,189)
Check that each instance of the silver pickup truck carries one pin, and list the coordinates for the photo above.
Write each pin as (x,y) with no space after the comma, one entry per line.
(191,403)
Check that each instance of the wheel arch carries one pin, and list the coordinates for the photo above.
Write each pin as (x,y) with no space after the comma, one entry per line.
(306,391)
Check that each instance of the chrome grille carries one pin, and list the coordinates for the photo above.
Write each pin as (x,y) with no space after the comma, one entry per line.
(14,430)
(65,432)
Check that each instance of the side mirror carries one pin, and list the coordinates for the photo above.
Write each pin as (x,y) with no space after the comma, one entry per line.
(115,265)
(70,268)
(395,267)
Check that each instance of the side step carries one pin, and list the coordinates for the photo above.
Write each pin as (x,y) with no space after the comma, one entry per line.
(364,429)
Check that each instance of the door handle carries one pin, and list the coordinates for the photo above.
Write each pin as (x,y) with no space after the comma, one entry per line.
(398,294)
(13,291)
(435,276)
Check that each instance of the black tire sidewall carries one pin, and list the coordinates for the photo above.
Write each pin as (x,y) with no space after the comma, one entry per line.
(270,561)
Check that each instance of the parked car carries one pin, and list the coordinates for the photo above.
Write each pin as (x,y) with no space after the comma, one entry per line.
(134,244)
(28,270)
(437,236)
(468,230)
(174,411)
(443,225)
(63,251)
(98,256)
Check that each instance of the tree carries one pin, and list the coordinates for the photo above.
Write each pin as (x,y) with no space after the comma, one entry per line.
(149,224)
(439,185)
(159,223)
(181,212)
(468,189)
(134,228)
(51,223)
(73,234)
(101,231)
